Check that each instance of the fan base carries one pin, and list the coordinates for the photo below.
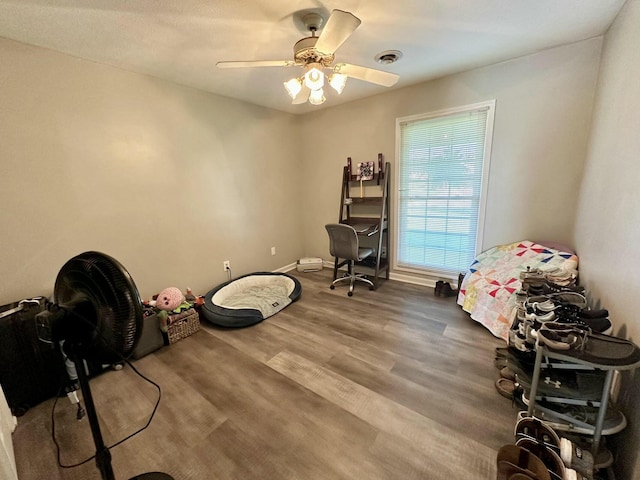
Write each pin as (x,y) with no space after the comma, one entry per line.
(152,476)
(313,21)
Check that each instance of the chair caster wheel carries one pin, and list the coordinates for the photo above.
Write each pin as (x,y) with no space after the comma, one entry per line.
(332,287)
(350,294)
(370,288)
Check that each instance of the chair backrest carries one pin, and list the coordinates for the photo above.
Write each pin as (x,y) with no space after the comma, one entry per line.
(343,241)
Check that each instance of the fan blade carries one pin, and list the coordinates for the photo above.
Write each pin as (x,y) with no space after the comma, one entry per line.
(257,63)
(339,27)
(371,75)
(302,96)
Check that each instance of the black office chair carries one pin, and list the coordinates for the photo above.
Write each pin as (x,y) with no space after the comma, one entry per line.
(344,243)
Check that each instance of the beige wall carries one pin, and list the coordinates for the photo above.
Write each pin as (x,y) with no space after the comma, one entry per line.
(607,233)
(543,111)
(171,181)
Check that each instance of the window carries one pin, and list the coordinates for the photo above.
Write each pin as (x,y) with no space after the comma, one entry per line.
(443,168)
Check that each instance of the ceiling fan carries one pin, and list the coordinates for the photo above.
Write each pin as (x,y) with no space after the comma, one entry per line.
(316,53)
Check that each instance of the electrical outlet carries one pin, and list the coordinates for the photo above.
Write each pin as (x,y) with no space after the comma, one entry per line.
(273,250)
(226,265)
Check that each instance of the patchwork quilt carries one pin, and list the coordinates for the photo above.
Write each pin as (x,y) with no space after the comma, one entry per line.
(487,291)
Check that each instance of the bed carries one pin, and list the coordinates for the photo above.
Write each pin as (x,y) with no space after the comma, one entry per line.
(249,299)
(487,291)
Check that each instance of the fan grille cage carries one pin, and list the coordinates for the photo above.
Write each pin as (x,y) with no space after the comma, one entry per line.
(111,328)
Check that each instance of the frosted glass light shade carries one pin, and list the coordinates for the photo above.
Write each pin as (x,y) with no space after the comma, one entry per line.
(316,97)
(293,87)
(337,82)
(314,78)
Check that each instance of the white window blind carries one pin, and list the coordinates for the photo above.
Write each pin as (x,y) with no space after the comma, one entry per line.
(443,160)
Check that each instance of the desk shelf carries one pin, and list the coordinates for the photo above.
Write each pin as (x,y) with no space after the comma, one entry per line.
(368,212)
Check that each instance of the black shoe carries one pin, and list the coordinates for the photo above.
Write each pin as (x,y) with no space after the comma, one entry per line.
(437,291)
(446,290)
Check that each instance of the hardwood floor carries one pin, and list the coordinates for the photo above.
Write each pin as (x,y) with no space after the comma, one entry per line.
(391,384)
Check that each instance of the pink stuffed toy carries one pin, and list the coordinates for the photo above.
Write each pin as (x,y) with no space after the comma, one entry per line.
(169,299)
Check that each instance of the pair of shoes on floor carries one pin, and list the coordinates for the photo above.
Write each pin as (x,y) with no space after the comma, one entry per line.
(579,341)
(444,289)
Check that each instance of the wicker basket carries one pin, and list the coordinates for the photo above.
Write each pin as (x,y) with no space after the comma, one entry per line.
(183,324)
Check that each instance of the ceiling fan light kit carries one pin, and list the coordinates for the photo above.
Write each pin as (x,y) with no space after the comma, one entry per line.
(293,87)
(316,97)
(314,78)
(317,53)
(337,82)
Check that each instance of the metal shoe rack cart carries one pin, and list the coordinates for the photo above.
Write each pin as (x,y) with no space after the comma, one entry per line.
(543,355)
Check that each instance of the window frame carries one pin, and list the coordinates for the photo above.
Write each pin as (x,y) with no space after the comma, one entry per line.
(486,166)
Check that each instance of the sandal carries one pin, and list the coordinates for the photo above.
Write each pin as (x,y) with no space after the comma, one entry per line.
(603,458)
(515,462)
(506,387)
(574,457)
(550,459)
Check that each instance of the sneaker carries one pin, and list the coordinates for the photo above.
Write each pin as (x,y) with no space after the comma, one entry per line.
(599,325)
(563,336)
(541,318)
(579,342)
(569,298)
(551,287)
(577,418)
(561,277)
(521,298)
(557,384)
(576,458)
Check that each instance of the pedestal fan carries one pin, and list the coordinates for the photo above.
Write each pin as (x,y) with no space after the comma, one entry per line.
(97,312)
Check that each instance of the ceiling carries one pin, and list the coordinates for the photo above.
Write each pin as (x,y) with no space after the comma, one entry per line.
(181,40)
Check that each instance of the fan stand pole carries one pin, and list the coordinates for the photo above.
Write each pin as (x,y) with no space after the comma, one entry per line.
(103,456)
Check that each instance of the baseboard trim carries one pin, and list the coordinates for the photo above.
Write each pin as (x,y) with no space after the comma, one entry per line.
(286,268)
(400,277)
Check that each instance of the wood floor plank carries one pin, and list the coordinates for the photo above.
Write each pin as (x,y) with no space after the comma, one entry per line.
(387,384)
(440,399)
(386,415)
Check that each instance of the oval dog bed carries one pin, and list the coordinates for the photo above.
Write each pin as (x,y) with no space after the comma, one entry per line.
(250,299)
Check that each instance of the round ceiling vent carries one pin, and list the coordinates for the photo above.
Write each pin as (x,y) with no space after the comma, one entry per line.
(388,56)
